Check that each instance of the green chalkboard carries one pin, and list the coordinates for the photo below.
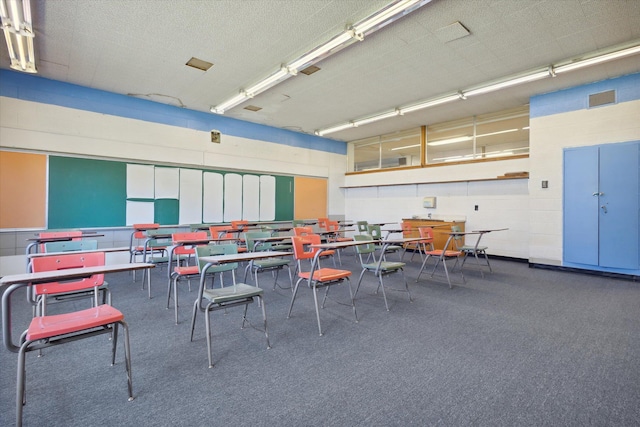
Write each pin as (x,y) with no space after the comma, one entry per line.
(284,198)
(86,193)
(166,211)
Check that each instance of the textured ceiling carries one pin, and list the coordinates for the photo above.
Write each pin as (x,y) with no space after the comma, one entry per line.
(140,47)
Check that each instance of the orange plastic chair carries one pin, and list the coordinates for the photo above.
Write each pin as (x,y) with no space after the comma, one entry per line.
(335,226)
(308,231)
(183,271)
(322,223)
(238,224)
(441,254)
(407,231)
(49,330)
(321,278)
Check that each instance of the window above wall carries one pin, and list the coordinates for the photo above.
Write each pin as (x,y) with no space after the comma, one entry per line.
(495,135)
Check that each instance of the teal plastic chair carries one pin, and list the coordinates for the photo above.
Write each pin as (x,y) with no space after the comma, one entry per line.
(376,234)
(223,297)
(362,227)
(379,267)
(273,265)
(71,246)
(470,250)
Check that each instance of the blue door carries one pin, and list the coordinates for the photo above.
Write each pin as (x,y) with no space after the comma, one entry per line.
(580,221)
(618,205)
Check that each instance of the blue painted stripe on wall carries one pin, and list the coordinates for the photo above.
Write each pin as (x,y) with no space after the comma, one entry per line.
(37,89)
(577,98)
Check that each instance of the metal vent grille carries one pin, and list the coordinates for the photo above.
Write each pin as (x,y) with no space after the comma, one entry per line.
(602,98)
(252,108)
(310,70)
(199,64)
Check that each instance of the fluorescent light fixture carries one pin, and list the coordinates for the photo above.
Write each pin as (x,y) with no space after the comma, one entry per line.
(229,103)
(597,59)
(387,15)
(334,129)
(18,33)
(450,141)
(429,103)
(497,133)
(372,119)
(268,82)
(406,146)
(537,75)
(322,50)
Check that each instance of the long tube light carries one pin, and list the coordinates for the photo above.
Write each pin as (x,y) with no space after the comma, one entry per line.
(18,33)
(513,81)
(387,15)
(372,23)
(337,128)
(597,59)
(550,71)
(376,118)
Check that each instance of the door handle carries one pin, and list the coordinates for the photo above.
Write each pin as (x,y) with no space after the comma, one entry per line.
(604,208)
(597,193)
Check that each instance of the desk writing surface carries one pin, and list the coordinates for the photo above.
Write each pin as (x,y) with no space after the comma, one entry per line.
(246,256)
(106,250)
(70,273)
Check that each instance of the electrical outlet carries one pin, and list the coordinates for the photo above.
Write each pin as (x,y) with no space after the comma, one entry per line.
(475,208)
(545,184)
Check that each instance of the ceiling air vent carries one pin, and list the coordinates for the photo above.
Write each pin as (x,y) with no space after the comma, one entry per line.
(252,108)
(310,70)
(602,98)
(199,64)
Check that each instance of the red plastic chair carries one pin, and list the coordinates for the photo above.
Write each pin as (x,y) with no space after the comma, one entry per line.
(322,277)
(68,290)
(49,330)
(136,243)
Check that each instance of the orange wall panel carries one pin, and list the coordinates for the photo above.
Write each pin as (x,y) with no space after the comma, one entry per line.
(310,198)
(23,190)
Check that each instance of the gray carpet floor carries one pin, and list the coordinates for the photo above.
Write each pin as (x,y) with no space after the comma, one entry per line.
(520,347)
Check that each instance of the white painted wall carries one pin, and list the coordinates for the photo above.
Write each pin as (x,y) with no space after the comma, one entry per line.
(549,135)
(501,203)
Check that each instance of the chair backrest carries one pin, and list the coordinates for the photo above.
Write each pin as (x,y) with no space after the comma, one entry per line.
(426,233)
(139,230)
(299,242)
(190,235)
(65,262)
(238,224)
(74,234)
(298,223)
(369,248)
(332,226)
(220,232)
(457,239)
(322,223)
(71,246)
(374,231)
(302,231)
(362,226)
(212,250)
(250,239)
(406,227)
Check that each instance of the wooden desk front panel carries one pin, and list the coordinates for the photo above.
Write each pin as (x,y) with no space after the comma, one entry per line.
(440,232)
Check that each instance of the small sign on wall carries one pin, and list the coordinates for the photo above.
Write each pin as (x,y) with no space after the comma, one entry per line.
(429,202)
